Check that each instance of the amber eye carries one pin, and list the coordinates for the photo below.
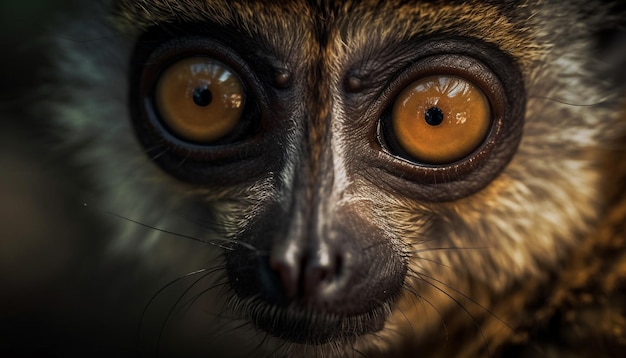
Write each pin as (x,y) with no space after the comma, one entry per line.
(440,119)
(200,99)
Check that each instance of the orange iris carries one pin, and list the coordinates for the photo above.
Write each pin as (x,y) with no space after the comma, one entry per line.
(441,119)
(200,99)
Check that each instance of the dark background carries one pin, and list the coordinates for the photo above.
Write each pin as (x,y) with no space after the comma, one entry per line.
(41,219)
(22,23)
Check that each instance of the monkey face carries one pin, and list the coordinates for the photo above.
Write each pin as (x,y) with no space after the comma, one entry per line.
(331,141)
(346,163)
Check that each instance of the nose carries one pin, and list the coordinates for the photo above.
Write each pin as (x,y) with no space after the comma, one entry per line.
(313,286)
(314,275)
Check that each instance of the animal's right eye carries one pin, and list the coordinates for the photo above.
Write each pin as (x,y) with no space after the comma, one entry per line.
(200,99)
(195,96)
(199,108)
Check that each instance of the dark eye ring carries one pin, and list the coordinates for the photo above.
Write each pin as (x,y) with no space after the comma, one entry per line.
(198,108)
(194,98)
(443,158)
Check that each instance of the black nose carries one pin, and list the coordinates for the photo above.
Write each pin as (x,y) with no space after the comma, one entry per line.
(312,275)
(314,287)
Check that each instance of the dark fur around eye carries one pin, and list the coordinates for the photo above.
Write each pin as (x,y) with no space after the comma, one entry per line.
(246,149)
(253,147)
(482,64)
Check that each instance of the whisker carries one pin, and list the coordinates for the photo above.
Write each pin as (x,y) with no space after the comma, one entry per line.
(158,229)
(257,348)
(171,310)
(491,313)
(220,332)
(183,161)
(454,248)
(602,101)
(145,310)
(278,348)
(382,338)
(460,305)
(153,148)
(213,242)
(160,154)
(423,299)
(210,288)
(362,354)
(437,262)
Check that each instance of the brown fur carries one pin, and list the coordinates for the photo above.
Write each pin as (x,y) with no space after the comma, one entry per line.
(533,264)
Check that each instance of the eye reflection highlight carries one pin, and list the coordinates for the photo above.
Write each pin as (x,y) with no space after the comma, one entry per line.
(440,119)
(200,99)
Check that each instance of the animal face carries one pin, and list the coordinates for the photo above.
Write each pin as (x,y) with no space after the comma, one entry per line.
(338,178)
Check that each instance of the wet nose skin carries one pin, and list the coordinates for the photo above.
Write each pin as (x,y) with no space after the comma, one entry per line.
(306,275)
(326,284)
(312,275)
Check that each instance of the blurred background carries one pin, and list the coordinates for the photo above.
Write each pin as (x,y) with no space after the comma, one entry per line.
(21,23)
(41,222)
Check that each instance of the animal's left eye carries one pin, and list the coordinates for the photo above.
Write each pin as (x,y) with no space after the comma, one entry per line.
(439,120)
(447,123)
(200,99)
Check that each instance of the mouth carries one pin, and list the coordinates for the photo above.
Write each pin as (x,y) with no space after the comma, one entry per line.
(338,313)
(316,288)
(304,325)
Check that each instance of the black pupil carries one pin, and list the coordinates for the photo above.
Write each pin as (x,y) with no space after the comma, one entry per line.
(202,96)
(433,116)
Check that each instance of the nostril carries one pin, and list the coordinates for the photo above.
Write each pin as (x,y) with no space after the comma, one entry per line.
(339,261)
(288,273)
(314,279)
(317,287)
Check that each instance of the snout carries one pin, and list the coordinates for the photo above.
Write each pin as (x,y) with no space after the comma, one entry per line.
(334,280)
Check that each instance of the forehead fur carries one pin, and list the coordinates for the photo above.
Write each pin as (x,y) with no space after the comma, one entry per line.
(308,23)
